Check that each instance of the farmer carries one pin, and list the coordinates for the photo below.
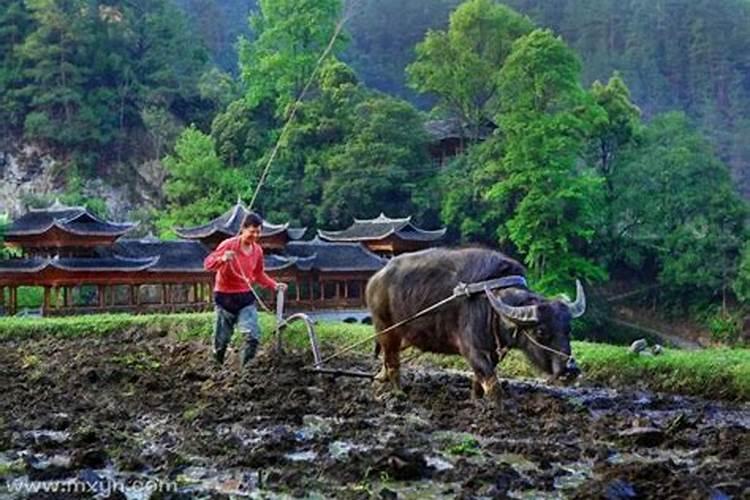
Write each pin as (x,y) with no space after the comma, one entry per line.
(238,263)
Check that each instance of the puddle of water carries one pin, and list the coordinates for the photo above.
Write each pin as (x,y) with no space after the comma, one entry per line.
(536,495)
(340,450)
(46,436)
(417,490)
(657,455)
(520,463)
(438,463)
(576,474)
(302,456)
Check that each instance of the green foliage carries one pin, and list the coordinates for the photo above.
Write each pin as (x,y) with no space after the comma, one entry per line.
(140,361)
(289,38)
(5,252)
(15,24)
(715,373)
(741,284)
(30,297)
(666,215)
(199,187)
(725,327)
(459,65)
(377,167)
(464,184)
(469,446)
(550,202)
(76,74)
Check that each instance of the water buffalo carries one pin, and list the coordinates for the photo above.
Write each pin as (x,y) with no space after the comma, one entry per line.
(481,327)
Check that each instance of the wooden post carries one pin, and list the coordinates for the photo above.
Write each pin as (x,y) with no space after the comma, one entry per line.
(2,299)
(100,291)
(65,297)
(163,294)
(45,304)
(13,300)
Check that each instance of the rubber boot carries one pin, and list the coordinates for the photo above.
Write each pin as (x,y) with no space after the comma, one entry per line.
(248,353)
(218,356)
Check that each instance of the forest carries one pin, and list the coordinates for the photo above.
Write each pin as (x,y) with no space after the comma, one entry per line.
(618,148)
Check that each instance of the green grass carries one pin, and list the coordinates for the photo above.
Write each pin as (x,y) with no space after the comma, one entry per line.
(717,373)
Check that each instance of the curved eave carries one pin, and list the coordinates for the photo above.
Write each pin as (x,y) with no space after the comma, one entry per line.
(273,230)
(37,268)
(202,232)
(424,235)
(144,264)
(118,230)
(179,270)
(336,236)
(127,266)
(296,233)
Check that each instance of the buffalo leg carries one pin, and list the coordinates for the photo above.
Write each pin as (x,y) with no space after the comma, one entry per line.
(485,382)
(390,346)
(477,391)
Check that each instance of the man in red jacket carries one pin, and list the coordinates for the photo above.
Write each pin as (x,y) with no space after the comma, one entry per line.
(238,263)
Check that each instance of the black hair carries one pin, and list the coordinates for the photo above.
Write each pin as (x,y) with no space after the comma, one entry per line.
(252,219)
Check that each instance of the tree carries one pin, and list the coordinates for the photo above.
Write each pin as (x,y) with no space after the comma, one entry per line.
(380,161)
(550,200)
(619,129)
(15,24)
(675,206)
(199,187)
(460,65)
(741,284)
(54,55)
(4,251)
(464,184)
(290,37)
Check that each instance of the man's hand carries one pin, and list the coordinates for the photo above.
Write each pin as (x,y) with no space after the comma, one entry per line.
(228,255)
(281,287)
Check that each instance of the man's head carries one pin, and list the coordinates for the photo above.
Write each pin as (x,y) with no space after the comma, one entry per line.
(251,227)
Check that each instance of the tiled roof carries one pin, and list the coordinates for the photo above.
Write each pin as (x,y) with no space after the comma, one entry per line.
(330,256)
(173,256)
(229,224)
(75,220)
(382,227)
(452,128)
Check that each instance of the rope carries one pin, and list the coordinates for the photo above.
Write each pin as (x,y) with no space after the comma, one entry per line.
(295,106)
(533,341)
(386,330)
(460,290)
(249,284)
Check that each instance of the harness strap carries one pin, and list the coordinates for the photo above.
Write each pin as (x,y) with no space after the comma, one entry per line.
(467,289)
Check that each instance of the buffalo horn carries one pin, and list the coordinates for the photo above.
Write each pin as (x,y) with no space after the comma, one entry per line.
(578,307)
(523,314)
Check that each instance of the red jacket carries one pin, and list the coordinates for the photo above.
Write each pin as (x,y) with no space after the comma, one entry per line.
(229,275)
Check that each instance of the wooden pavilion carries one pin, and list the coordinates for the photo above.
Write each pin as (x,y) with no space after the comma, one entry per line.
(385,236)
(86,265)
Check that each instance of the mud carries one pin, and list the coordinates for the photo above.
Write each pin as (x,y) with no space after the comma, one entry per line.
(131,408)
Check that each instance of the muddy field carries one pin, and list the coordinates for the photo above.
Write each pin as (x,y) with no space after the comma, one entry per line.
(130,408)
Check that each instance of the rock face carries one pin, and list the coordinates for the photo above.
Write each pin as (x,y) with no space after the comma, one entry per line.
(28,173)
(25,172)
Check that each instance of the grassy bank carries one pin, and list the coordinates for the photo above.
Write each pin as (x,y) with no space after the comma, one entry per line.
(712,373)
